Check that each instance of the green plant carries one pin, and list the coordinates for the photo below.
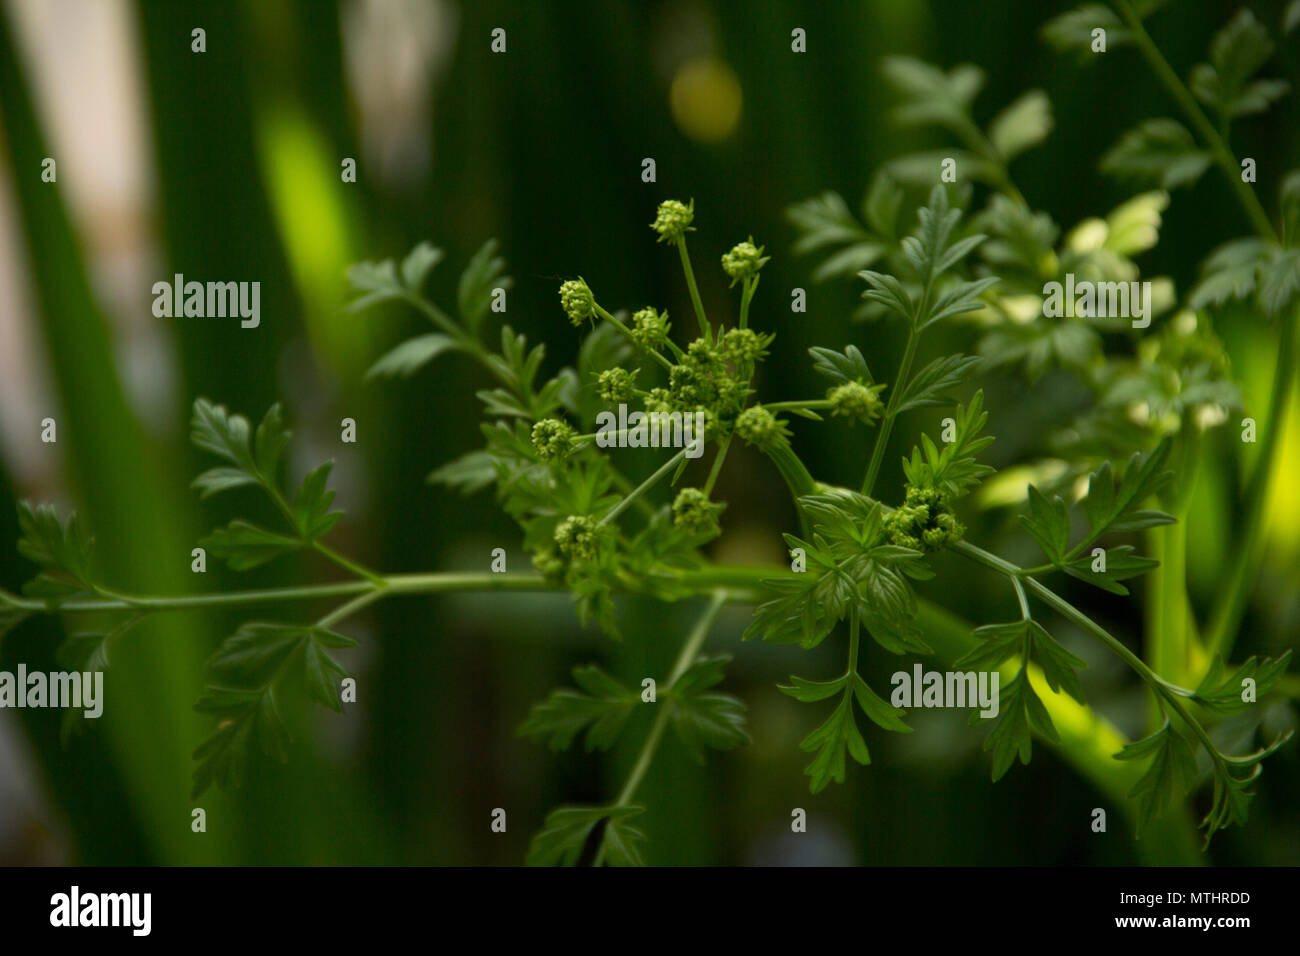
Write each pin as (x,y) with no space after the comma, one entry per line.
(596,533)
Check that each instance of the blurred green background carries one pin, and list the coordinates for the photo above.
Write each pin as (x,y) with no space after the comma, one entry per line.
(225,165)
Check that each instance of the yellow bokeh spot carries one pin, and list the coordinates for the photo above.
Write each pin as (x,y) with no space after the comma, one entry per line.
(705,99)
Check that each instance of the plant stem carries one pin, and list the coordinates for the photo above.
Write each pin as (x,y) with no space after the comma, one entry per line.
(642,488)
(748,288)
(1167,622)
(1246,559)
(887,423)
(690,284)
(690,650)
(350,607)
(685,658)
(348,565)
(628,332)
(1187,103)
(718,459)
(796,406)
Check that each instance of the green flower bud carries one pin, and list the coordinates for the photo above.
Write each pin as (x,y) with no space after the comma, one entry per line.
(760,428)
(658,400)
(743,261)
(743,346)
(673,220)
(548,563)
(578,302)
(650,328)
(552,439)
(857,401)
(616,385)
(925,521)
(578,537)
(695,514)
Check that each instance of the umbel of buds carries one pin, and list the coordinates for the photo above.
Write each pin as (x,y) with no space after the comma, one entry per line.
(578,302)
(552,439)
(616,384)
(673,220)
(650,328)
(856,401)
(577,537)
(743,261)
(761,428)
(695,514)
(925,522)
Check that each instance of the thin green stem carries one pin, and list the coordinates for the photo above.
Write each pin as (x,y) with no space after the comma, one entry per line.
(695,292)
(891,410)
(685,658)
(350,607)
(853,645)
(690,650)
(347,564)
(645,486)
(718,459)
(748,288)
(628,332)
(796,406)
(1187,103)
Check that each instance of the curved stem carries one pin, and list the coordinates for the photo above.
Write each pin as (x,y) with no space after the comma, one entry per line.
(891,409)
(690,284)
(645,486)
(689,652)
(1187,103)
(631,338)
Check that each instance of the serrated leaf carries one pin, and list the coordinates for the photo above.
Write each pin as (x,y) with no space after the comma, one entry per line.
(840,367)
(1236,54)
(213,428)
(412,355)
(485,273)
(1058,664)
(1022,125)
(63,550)
(1159,151)
(216,480)
(603,712)
(706,719)
(1121,564)
(929,385)
(1072,31)
(998,643)
(882,713)
(1279,280)
(1049,522)
(244,545)
(311,504)
(269,442)
(467,474)
(1225,694)
(1230,272)
(1169,777)
(811,691)
(831,741)
(417,264)
(1022,714)
(565,834)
